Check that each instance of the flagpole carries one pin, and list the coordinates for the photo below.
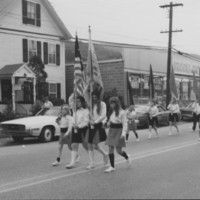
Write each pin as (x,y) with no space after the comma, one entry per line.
(91,75)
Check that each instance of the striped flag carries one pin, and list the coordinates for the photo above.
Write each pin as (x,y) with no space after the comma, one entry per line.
(172,83)
(79,81)
(151,84)
(93,73)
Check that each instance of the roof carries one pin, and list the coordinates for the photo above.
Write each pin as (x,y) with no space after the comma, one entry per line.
(56,19)
(10,69)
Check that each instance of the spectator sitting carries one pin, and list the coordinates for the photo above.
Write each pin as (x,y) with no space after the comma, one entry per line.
(47,104)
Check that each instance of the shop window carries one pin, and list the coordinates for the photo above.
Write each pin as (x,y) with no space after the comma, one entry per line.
(31,13)
(6,91)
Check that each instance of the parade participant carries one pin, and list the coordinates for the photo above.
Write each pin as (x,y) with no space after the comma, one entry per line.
(65,121)
(117,131)
(132,117)
(194,106)
(79,130)
(173,115)
(47,104)
(153,121)
(97,131)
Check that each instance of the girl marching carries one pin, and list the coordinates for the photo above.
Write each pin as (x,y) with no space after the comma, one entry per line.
(153,121)
(79,130)
(65,122)
(97,131)
(132,117)
(173,115)
(117,132)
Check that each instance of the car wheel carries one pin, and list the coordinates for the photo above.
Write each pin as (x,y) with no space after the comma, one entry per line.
(46,134)
(17,139)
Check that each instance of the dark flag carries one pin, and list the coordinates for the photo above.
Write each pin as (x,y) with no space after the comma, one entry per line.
(129,92)
(195,86)
(151,84)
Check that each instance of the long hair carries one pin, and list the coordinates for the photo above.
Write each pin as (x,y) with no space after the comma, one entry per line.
(82,100)
(117,103)
(98,102)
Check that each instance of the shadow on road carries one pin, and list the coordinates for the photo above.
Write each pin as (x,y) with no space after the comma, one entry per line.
(5,142)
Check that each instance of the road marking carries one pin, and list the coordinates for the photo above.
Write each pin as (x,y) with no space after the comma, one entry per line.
(141,155)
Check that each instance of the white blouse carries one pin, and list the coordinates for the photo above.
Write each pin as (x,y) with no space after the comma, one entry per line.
(66,121)
(101,117)
(174,108)
(81,118)
(153,111)
(120,119)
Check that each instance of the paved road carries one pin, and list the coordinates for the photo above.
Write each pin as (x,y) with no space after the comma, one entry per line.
(162,168)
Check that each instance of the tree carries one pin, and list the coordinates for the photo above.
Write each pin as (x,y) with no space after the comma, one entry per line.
(37,66)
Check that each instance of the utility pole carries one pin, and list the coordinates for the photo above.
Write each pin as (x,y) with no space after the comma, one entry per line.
(170,6)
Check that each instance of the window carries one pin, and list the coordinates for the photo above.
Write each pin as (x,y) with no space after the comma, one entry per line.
(53,90)
(6,91)
(52,53)
(32,48)
(31,13)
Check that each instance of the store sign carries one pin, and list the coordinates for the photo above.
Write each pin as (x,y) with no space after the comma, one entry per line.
(186,68)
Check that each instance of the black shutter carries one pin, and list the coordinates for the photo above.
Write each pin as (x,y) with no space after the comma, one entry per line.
(25,50)
(57,54)
(24,11)
(58,91)
(46,89)
(38,15)
(45,53)
(39,49)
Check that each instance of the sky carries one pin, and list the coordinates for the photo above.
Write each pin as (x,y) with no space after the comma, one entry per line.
(137,22)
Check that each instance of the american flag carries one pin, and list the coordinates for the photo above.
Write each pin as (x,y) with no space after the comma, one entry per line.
(79,80)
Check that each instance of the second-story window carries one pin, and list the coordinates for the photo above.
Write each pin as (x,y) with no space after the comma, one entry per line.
(52,53)
(31,13)
(32,48)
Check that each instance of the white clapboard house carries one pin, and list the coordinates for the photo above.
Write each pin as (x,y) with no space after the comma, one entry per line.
(30,28)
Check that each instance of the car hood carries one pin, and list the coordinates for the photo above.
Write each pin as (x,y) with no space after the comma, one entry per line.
(31,120)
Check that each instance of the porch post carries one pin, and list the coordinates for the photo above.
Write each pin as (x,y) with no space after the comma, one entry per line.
(34,90)
(13,94)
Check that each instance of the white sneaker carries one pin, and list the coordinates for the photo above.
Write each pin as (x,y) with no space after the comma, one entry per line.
(90,166)
(110,169)
(137,139)
(70,166)
(105,160)
(128,161)
(149,136)
(56,163)
(77,158)
(170,133)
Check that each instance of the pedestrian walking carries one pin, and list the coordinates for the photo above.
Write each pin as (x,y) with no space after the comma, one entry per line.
(117,131)
(79,129)
(196,116)
(152,118)
(132,117)
(97,133)
(173,115)
(65,122)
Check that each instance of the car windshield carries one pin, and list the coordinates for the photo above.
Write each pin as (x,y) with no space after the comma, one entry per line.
(49,112)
